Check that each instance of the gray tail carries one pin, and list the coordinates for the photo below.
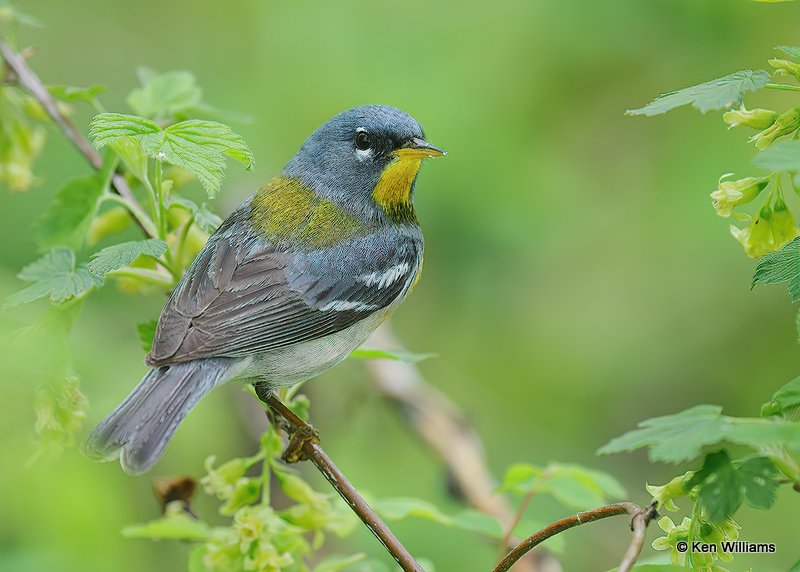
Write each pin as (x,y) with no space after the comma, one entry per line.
(139,429)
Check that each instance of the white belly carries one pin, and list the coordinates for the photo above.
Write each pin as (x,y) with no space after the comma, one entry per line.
(296,363)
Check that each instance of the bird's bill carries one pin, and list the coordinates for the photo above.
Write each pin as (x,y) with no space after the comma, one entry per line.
(419,149)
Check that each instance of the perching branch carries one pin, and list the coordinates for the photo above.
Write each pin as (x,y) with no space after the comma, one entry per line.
(303,437)
(640,520)
(445,428)
(27,78)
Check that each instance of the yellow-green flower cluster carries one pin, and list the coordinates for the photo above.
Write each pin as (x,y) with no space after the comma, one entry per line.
(731,194)
(771,228)
(756,118)
(785,124)
(679,538)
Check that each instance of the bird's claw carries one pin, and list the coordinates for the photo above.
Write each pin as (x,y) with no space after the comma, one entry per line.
(294,452)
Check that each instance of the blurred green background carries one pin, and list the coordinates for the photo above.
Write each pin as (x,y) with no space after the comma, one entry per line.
(576,281)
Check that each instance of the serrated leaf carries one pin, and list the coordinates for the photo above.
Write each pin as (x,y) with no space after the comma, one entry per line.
(401,508)
(721,93)
(781,266)
(72,93)
(719,491)
(165,94)
(204,218)
(758,476)
(69,215)
(55,275)
(786,398)
(682,437)
(197,145)
(723,485)
(122,254)
(791,51)
(783,156)
(173,525)
(396,355)
(146,332)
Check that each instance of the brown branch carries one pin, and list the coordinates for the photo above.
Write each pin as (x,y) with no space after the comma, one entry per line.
(446,430)
(302,435)
(640,519)
(639,524)
(27,78)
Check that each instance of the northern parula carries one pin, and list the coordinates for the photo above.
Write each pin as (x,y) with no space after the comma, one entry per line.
(290,284)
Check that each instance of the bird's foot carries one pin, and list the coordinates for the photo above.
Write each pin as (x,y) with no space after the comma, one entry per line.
(294,452)
(300,433)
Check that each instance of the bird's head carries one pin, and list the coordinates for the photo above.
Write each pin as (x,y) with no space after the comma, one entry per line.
(366,161)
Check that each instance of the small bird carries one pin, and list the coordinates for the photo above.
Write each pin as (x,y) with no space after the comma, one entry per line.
(290,284)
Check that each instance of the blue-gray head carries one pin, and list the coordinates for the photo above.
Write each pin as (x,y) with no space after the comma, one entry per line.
(365,160)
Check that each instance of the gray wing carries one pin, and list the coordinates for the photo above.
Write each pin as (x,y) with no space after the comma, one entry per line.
(242,295)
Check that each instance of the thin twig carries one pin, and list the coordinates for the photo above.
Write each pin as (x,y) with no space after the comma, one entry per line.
(28,79)
(640,519)
(338,481)
(639,524)
(447,431)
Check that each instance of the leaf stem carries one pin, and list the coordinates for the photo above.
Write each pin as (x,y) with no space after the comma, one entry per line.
(782,86)
(136,211)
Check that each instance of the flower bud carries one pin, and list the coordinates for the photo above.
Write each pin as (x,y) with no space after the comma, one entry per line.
(786,123)
(731,194)
(757,238)
(783,224)
(755,118)
(785,67)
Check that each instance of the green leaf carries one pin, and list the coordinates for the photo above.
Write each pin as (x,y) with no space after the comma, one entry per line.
(723,485)
(196,145)
(681,437)
(786,398)
(173,525)
(204,218)
(475,521)
(55,275)
(791,51)
(758,476)
(132,156)
(397,355)
(783,156)
(122,254)
(71,93)
(338,563)
(402,508)
(572,485)
(164,94)
(719,493)
(147,331)
(721,93)
(781,266)
(196,561)
(69,214)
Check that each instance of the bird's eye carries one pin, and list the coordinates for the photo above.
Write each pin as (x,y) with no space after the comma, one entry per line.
(363,141)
